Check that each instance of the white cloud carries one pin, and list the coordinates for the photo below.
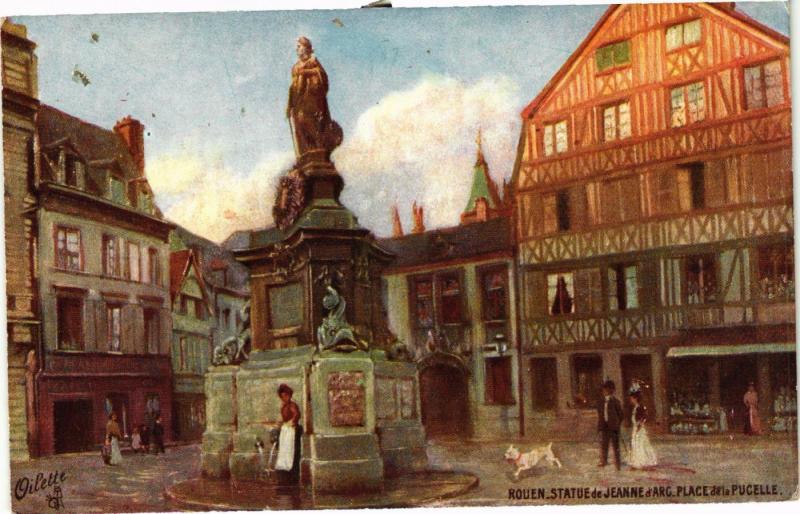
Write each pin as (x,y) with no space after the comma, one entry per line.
(212,200)
(419,144)
(414,145)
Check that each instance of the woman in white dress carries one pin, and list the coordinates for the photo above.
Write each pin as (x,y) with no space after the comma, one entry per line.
(642,453)
(113,435)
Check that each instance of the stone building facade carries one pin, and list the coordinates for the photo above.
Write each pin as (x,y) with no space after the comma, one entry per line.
(450,296)
(193,328)
(20,105)
(654,221)
(103,257)
(209,290)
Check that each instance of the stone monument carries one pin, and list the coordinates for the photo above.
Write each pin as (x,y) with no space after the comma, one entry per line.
(317,324)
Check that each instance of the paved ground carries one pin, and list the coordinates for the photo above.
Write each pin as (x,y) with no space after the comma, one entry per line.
(137,485)
(769,463)
(683,463)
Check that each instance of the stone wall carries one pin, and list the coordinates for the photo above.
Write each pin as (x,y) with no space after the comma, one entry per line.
(19,109)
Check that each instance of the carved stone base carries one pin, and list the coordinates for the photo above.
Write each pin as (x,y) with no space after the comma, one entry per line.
(220,389)
(360,414)
(403,450)
(342,463)
(215,453)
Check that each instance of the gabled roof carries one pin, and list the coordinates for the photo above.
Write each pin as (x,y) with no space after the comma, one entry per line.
(95,144)
(181,262)
(213,258)
(461,242)
(722,9)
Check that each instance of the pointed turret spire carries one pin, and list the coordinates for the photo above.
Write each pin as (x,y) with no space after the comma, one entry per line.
(419,219)
(397,225)
(483,196)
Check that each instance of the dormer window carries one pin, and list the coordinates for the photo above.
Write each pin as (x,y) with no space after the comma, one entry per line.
(145,202)
(74,174)
(683,34)
(116,189)
(613,55)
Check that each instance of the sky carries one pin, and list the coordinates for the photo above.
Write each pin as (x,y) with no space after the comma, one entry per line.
(410,88)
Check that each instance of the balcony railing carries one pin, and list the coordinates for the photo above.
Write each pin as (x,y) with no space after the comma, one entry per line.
(636,326)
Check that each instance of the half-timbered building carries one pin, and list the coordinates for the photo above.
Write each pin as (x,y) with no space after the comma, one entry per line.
(654,219)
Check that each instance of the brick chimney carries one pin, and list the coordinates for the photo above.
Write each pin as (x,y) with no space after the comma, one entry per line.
(419,219)
(132,133)
(397,226)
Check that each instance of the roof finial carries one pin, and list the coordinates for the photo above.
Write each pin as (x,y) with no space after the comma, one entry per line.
(479,142)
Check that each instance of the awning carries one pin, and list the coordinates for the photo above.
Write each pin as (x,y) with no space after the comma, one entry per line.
(730,349)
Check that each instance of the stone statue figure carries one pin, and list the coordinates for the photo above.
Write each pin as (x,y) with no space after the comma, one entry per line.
(335,333)
(233,350)
(313,130)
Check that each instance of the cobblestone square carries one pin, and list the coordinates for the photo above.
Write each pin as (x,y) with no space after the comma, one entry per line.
(766,464)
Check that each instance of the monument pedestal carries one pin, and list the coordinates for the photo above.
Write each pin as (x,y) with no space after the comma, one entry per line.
(345,454)
(220,390)
(317,324)
(360,414)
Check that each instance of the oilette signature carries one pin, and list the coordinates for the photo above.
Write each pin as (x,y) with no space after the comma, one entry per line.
(40,482)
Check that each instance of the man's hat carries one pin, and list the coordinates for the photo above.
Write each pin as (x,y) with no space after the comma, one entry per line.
(609,384)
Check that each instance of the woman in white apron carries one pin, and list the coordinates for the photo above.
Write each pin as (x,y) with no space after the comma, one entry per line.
(288,462)
(642,453)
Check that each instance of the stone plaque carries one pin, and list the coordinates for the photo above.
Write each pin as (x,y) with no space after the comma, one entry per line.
(346,399)
(408,399)
(286,306)
(385,398)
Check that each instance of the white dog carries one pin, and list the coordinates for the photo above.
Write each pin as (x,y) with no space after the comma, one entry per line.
(526,461)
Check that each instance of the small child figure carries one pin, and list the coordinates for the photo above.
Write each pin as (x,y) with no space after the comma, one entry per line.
(136,440)
(145,436)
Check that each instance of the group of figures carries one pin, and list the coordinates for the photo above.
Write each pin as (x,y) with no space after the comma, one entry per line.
(143,438)
(610,417)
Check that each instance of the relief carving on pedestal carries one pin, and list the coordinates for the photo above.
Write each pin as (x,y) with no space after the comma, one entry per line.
(346,399)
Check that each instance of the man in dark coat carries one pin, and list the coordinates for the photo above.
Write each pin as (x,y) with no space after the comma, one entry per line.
(158,435)
(609,419)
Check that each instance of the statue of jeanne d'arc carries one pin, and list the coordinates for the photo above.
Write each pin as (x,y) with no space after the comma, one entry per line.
(313,130)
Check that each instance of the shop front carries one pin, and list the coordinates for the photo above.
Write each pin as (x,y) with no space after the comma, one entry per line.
(707,385)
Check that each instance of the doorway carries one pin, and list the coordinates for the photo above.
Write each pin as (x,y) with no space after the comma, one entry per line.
(734,375)
(445,407)
(72,423)
(118,404)
(639,367)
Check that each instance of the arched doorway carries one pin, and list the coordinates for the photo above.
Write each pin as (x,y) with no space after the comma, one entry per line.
(444,397)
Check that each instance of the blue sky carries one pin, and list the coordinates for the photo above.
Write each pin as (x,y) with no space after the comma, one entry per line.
(211,89)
